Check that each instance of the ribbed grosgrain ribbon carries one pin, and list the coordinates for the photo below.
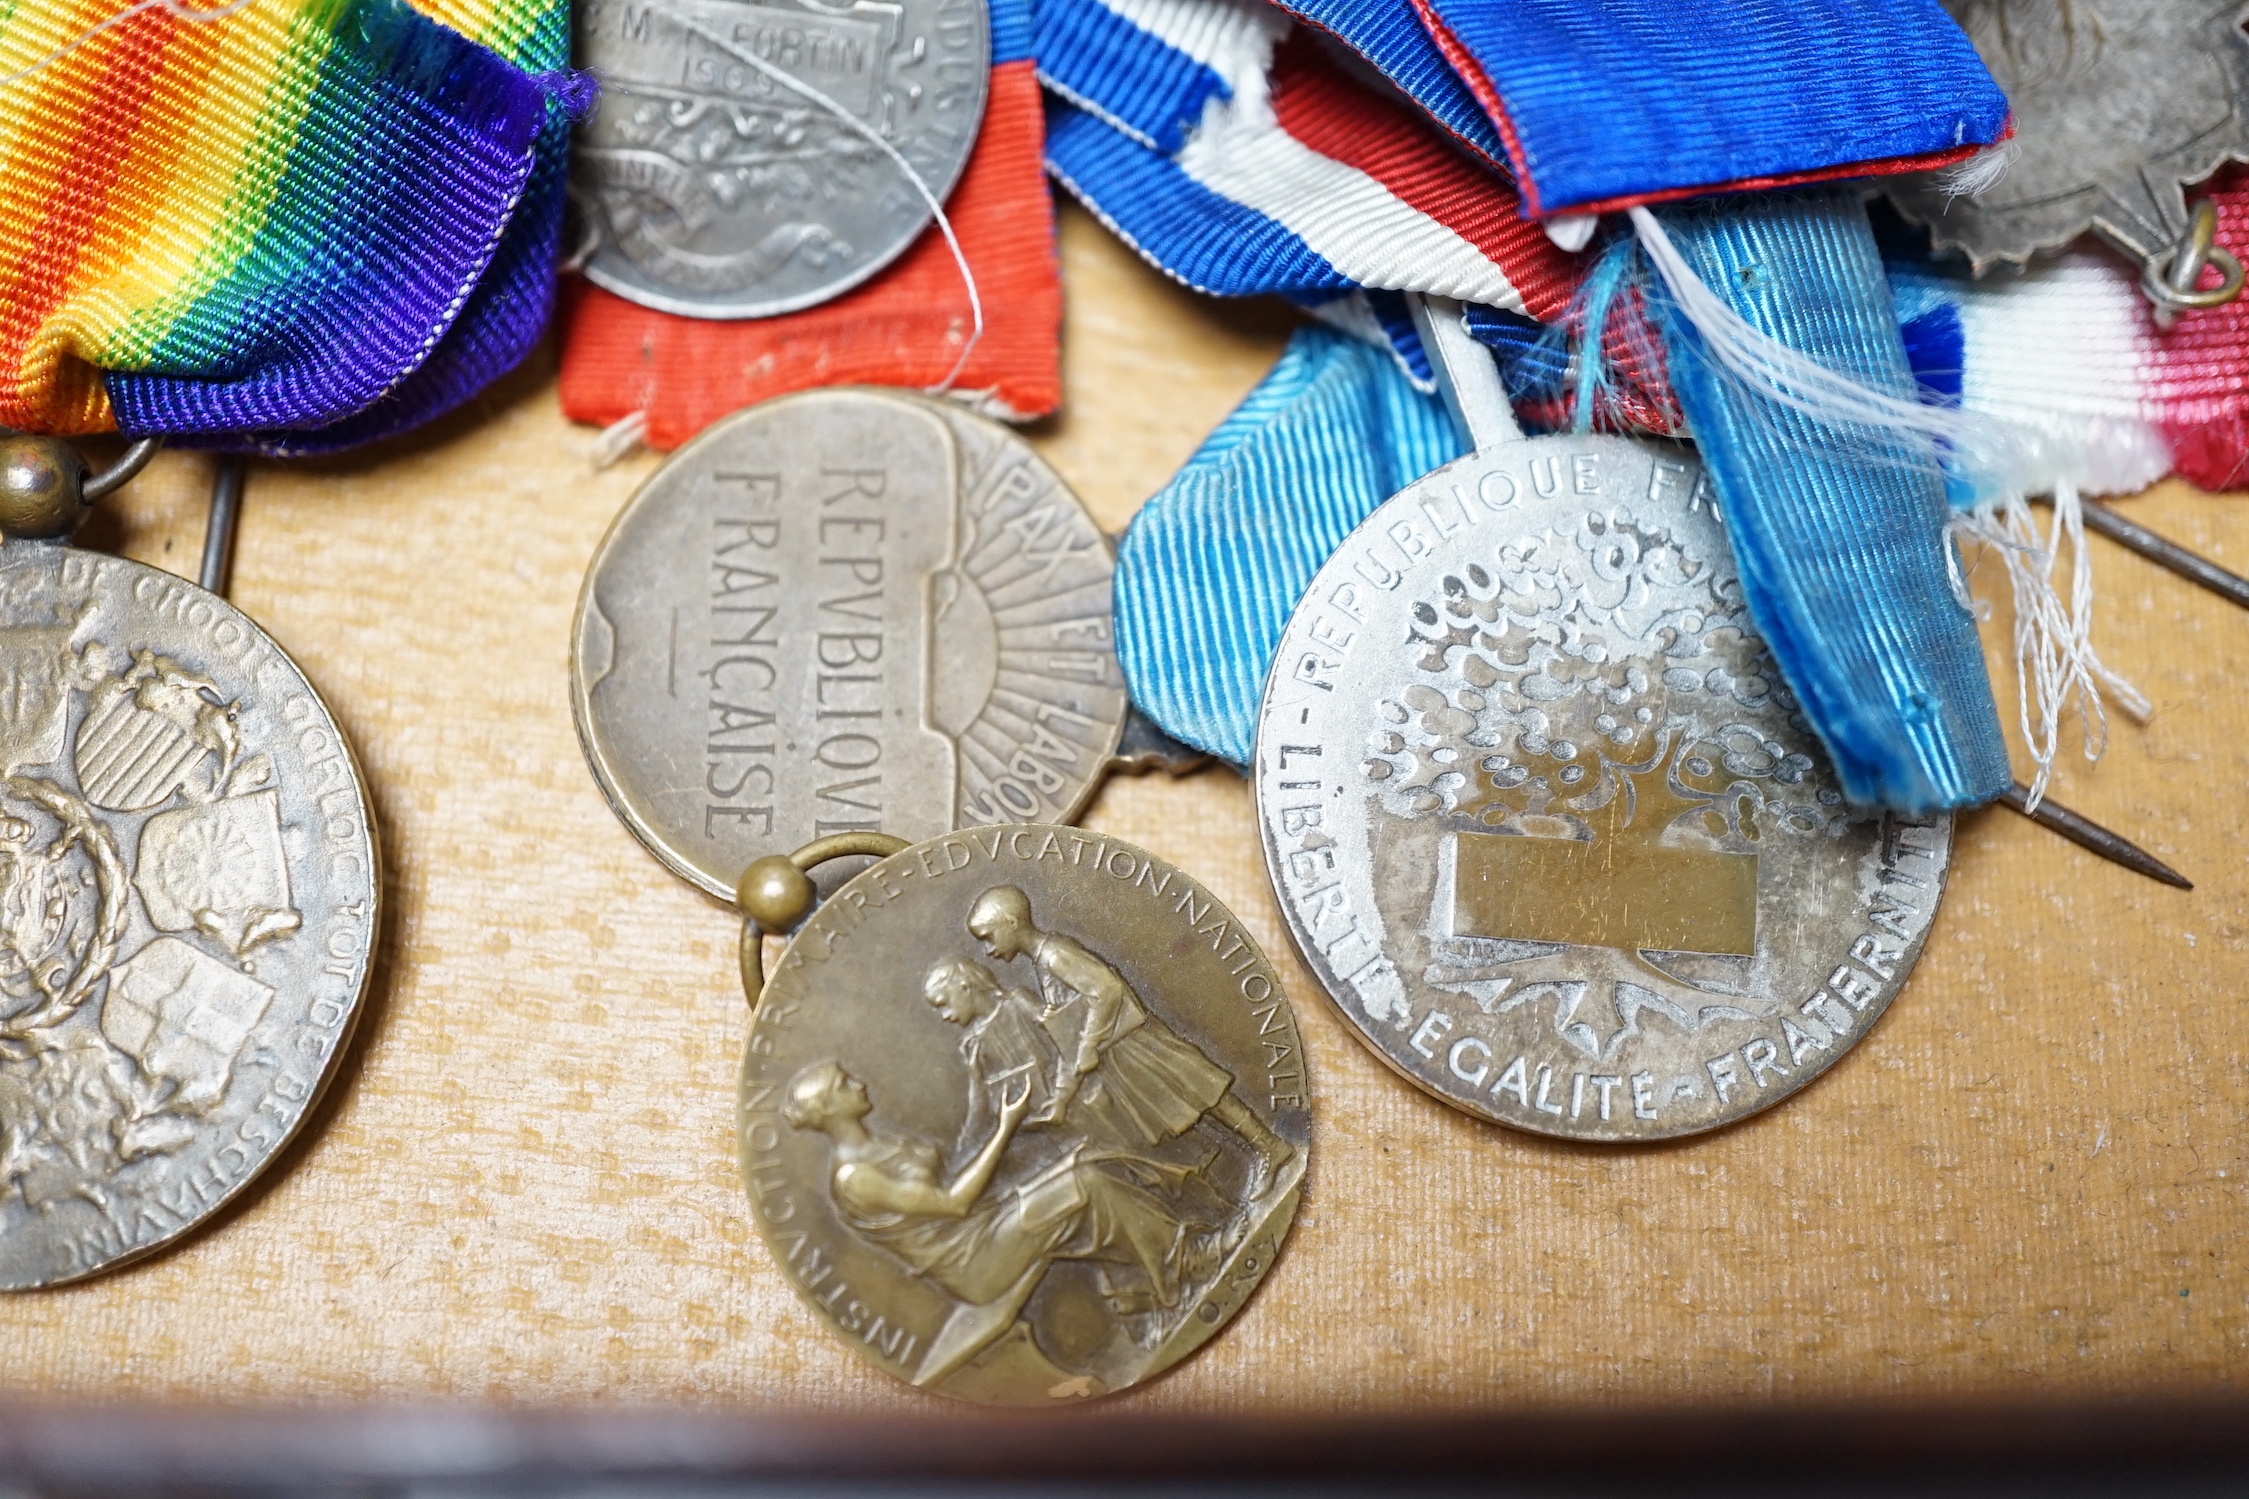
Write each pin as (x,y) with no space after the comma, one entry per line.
(1294,177)
(1839,531)
(1606,103)
(1213,565)
(1390,36)
(243,228)
(2069,349)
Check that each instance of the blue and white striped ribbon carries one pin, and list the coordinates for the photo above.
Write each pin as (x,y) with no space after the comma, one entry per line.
(1149,68)
(1390,36)
(1164,124)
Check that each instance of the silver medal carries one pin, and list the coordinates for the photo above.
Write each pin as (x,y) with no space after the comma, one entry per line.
(188,902)
(740,162)
(2119,105)
(1541,814)
(845,611)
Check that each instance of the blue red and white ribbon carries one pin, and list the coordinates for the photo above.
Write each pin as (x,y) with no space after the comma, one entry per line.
(1390,36)
(2069,350)
(1245,151)
(1295,177)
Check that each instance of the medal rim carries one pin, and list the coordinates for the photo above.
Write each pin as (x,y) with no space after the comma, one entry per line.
(377,908)
(1270,853)
(1985,247)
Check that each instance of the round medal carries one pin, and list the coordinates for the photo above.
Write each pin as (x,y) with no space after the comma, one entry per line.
(740,163)
(1547,824)
(840,611)
(1023,1112)
(188,901)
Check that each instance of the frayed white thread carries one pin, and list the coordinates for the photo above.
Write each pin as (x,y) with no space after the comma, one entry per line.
(2056,666)
(1962,525)
(172,8)
(1988,452)
(617,439)
(1980,173)
(897,159)
(2054,653)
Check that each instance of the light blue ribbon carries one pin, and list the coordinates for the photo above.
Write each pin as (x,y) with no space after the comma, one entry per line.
(1839,534)
(1212,567)
(1839,531)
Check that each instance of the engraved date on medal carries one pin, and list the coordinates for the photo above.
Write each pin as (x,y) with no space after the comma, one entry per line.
(170,995)
(1023,1115)
(1545,818)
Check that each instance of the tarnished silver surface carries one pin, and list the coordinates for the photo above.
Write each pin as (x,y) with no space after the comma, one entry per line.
(845,611)
(1545,821)
(188,900)
(1023,1115)
(2117,103)
(715,188)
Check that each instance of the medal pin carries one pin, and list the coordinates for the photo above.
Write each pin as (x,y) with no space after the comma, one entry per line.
(227,483)
(2165,553)
(189,890)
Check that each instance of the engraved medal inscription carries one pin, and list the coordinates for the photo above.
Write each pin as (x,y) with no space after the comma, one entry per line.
(1545,820)
(713,188)
(187,907)
(845,611)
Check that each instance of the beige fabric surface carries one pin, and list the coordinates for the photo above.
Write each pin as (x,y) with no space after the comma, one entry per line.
(2028,1181)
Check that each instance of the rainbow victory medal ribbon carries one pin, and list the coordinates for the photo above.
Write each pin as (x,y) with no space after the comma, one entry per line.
(241,226)
(504,315)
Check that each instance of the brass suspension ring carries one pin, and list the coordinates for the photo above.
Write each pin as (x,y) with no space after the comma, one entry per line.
(776,895)
(2173,277)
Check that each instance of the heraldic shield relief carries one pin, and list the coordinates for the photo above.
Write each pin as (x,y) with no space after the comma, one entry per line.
(1040,1138)
(166,1009)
